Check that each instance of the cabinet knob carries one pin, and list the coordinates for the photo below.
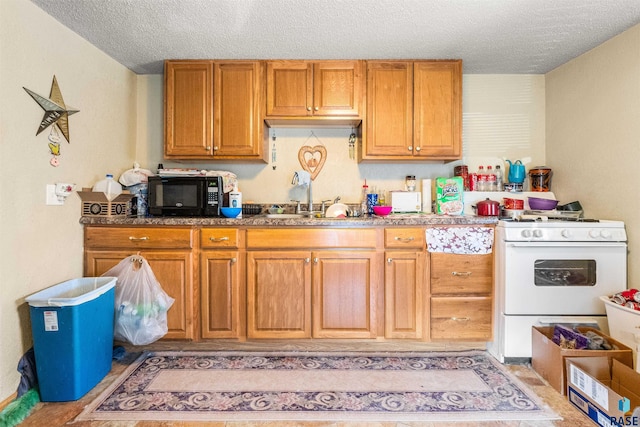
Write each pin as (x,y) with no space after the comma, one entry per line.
(417,148)
(308,108)
(215,148)
(315,260)
(389,260)
(234,260)
(410,148)
(317,108)
(307,260)
(461,273)
(207,148)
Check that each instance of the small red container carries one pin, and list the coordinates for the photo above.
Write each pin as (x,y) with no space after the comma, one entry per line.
(513,204)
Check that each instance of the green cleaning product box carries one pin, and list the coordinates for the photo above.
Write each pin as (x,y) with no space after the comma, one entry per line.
(449,193)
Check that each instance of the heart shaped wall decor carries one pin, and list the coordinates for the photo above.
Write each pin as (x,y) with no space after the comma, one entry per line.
(312,159)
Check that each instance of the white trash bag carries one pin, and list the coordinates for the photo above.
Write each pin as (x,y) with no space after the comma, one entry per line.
(140,304)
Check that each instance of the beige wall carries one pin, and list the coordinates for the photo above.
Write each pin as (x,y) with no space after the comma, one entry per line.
(42,245)
(593,134)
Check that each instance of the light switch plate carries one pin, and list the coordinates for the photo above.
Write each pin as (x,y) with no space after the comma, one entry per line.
(52,198)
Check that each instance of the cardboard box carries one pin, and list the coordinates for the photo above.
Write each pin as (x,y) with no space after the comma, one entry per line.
(604,389)
(95,203)
(449,192)
(548,359)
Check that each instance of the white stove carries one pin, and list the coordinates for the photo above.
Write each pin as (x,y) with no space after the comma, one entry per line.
(550,271)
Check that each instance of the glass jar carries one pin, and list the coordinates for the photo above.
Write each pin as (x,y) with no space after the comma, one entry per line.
(410,182)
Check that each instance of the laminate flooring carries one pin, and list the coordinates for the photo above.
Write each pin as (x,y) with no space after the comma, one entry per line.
(51,414)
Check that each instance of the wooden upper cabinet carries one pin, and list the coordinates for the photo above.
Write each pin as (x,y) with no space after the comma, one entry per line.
(214,110)
(414,111)
(314,89)
(188,108)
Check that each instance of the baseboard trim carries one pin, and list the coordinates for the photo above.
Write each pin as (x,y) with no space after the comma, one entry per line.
(8,400)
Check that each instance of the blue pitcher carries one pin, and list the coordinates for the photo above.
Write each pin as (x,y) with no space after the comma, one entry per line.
(516,172)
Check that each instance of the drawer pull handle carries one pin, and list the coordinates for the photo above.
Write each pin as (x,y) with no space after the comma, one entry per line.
(137,239)
(460,319)
(218,239)
(404,239)
(461,273)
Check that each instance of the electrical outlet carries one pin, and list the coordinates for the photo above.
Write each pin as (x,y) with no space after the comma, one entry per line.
(52,197)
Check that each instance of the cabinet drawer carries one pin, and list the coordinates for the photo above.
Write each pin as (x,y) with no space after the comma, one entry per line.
(461,318)
(219,238)
(453,274)
(311,238)
(138,238)
(404,238)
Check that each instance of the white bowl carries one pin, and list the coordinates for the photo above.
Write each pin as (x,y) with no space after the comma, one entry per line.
(337,210)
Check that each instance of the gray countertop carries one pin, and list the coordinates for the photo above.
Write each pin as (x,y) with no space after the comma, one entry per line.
(263,221)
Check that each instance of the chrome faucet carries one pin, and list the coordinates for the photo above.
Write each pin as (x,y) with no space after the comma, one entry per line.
(295,181)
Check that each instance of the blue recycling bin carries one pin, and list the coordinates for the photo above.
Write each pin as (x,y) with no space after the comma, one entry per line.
(72,327)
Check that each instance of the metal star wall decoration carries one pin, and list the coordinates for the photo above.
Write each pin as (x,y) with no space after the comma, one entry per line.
(55,110)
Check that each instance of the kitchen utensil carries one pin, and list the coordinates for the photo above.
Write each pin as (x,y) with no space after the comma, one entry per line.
(573,206)
(539,204)
(540,178)
(517,204)
(488,207)
(382,210)
(511,213)
(516,171)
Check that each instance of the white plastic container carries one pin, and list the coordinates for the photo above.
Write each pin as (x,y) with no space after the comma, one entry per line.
(235,199)
(624,326)
(109,187)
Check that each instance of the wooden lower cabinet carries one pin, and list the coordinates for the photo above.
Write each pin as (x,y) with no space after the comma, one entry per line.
(461,297)
(173,270)
(345,294)
(279,294)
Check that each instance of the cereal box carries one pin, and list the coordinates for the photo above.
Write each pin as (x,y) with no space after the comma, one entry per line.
(449,195)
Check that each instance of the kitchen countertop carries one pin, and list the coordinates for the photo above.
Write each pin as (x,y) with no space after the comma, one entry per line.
(262,221)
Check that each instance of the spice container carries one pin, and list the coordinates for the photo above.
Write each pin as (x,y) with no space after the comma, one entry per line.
(410,182)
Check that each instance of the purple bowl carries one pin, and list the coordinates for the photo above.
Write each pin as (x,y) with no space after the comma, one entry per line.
(538,204)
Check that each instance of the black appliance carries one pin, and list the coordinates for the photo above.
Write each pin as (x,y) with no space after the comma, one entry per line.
(185,195)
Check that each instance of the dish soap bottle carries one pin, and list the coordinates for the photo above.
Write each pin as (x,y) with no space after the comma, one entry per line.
(235,199)
(363,201)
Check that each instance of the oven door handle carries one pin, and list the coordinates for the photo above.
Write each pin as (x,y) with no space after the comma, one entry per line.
(565,244)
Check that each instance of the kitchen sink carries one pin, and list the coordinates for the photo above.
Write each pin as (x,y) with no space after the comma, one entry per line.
(285,216)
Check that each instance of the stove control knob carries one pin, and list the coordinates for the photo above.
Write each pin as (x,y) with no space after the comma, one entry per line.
(526,233)
(537,233)
(566,233)
(606,234)
(594,234)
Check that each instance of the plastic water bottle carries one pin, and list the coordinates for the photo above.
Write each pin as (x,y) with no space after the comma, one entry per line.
(499,179)
(109,187)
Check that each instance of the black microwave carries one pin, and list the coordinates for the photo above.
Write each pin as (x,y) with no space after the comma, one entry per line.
(185,195)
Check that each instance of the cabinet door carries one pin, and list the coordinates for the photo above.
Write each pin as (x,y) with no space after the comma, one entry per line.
(337,88)
(437,109)
(345,294)
(221,300)
(174,272)
(389,127)
(289,88)
(188,107)
(279,294)
(238,100)
(404,298)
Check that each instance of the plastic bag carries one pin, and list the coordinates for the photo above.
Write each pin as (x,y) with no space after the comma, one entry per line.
(140,303)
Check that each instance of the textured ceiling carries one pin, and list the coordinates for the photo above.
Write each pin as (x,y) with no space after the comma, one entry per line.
(490,36)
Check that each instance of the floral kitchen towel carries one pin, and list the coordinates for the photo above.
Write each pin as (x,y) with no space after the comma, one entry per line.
(460,240)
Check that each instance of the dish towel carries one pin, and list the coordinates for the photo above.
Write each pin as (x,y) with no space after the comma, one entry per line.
(460,240)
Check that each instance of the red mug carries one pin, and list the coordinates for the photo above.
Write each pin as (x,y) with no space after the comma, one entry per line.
(514,204)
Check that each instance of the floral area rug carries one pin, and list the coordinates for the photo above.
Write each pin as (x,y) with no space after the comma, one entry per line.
(299,386)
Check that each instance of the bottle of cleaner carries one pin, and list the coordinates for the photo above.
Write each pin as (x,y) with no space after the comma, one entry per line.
(363,201)
(235,199)
(109,187)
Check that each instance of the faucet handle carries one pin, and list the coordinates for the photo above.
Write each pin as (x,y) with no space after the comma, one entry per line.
(336,200)
(298,210)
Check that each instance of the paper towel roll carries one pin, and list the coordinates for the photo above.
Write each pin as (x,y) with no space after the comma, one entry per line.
(426,196)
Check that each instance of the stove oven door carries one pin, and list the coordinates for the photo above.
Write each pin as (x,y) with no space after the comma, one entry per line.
(561,278)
